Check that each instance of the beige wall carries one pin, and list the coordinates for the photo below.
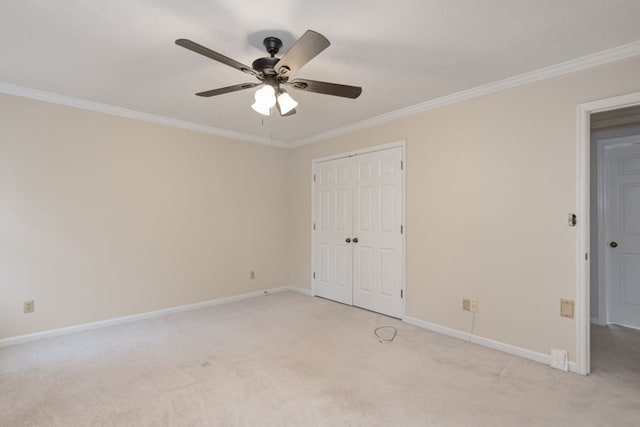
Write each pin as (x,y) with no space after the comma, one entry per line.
(490,182)
(102,216)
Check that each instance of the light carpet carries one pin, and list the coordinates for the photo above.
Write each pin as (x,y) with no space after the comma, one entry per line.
(291,360)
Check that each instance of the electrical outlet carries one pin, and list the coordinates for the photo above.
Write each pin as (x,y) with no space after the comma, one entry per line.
(252,274)
(473,306)
(466,304)
(29,306)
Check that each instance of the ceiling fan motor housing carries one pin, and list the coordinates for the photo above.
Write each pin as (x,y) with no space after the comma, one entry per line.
(272,44)
(265,65)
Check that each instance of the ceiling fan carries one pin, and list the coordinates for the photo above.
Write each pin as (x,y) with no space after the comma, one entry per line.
(274,73)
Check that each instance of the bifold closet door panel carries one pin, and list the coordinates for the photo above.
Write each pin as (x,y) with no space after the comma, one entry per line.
(377,221)
(333,225)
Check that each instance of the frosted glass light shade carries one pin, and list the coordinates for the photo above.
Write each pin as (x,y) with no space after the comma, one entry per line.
(265,99)
(286,103)
(265,111)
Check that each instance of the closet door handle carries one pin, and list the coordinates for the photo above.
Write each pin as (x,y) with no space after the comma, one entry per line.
(355,240)
(348,240)
(612,244)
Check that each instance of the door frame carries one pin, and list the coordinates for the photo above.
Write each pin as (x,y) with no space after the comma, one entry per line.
(583,197)
(400,143)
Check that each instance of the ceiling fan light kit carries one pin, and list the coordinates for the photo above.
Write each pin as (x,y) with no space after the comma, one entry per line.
(265,99)
(275,72)
(286,102)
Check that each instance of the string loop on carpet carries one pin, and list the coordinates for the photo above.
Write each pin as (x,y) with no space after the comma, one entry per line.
(382,338)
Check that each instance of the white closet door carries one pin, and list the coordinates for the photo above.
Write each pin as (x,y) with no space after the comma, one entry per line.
(358,243)
(377,220)
(333,257)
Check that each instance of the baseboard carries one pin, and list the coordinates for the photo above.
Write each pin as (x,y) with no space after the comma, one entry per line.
(573,367)
(148,315)
(598,321)
(486,342)
(300,290)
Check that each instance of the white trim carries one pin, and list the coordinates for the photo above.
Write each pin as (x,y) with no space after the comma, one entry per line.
(406,228)
(400,143)
(54,98)
(583,187)
(148,315)
(485,342)
(603,306)
(573,367)
(312,279)
(585,62)
(300,290)
(390,145)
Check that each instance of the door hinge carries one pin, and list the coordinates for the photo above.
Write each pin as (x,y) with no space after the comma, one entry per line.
(401,293)
(401,164)
(586,256)
(314,225)
(314,177)
(314,274)
(401,229)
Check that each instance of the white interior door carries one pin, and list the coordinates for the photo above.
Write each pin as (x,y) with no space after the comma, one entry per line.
(622,231)
(333,225)
(358,235)
(377,227)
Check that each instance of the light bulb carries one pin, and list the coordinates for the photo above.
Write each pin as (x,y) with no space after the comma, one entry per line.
(265,111)
(266,96)
(286,103)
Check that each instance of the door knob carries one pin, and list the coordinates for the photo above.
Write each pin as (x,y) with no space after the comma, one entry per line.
(348,240)
(355,240)
(613,244)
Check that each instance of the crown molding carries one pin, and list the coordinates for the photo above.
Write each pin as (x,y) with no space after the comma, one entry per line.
(25,92)
(604,57)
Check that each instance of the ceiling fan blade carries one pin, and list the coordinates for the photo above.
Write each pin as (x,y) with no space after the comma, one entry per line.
(304,50)
(326,88)
(195,47)
(227,89)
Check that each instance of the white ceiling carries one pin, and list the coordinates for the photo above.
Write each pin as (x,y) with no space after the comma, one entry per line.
(405,52)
